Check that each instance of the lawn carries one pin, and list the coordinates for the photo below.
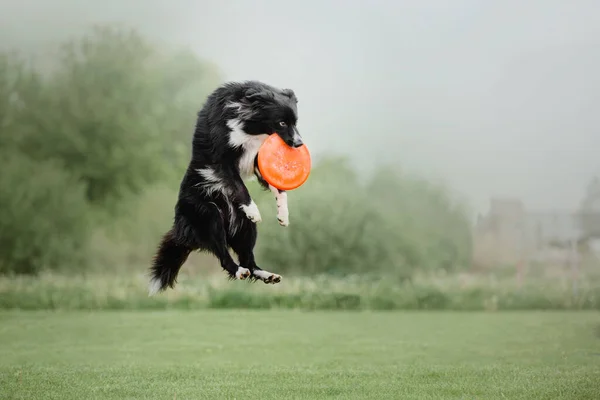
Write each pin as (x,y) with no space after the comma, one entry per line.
(227,354)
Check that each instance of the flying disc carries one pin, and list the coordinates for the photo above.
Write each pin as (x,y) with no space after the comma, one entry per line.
(283,166)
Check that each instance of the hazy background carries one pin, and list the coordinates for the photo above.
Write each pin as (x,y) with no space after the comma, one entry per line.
(493,97)
(420,114)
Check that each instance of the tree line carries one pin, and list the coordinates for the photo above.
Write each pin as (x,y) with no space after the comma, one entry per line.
(84,140)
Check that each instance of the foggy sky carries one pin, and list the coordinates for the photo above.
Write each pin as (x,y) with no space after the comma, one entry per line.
(493,97)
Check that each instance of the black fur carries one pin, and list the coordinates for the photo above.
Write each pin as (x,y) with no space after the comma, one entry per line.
(208,215)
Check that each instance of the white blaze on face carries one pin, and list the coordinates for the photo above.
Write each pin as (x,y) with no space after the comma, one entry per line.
(250,145)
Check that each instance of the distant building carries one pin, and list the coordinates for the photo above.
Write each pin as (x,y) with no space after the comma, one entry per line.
(498,236)
(510,234)
(590,210)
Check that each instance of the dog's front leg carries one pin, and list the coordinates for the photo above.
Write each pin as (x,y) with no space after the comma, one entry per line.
(241,196)
(283,215)
(251,211)
(280,196)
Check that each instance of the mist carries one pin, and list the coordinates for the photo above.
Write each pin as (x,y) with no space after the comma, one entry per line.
(494,98)
(445,245)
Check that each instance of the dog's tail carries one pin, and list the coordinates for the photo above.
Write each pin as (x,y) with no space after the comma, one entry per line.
(169,258)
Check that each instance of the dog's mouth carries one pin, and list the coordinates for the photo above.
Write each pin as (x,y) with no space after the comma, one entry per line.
(295,141)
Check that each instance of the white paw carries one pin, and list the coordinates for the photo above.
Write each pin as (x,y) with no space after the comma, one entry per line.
(283,215)
(266,276)
(252,212)
(284,219)
(242,273)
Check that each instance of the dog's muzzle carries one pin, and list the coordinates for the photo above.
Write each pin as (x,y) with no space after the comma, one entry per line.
(296,139)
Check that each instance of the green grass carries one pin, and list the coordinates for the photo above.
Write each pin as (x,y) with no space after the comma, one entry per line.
(459,292)
(227,354)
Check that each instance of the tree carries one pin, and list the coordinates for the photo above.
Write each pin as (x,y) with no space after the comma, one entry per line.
(117,112)
(114,116)
(389,224)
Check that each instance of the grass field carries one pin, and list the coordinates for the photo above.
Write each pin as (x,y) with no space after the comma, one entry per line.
(458,292)
(226,354)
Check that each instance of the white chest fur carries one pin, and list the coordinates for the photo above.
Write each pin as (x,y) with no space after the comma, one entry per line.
(250,145)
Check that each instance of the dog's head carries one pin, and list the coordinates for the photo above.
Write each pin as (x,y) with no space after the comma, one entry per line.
(269,110)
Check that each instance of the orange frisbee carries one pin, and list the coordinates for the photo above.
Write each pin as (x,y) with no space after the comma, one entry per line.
(282,166)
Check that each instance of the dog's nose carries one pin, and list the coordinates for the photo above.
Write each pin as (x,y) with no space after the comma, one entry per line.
(297,141)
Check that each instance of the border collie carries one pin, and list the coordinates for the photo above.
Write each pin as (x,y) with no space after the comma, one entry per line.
(214,210)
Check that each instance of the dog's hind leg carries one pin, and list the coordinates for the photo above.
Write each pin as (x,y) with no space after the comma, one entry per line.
(242,243)
(266,276)
(216,242)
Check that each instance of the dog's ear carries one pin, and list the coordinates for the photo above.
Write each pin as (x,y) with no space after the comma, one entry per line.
(290,93)
(254,94)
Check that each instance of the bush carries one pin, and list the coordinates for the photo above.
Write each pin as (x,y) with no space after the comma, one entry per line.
(43,221)
(433,228)
(341,225)
(117,110)
(123,291)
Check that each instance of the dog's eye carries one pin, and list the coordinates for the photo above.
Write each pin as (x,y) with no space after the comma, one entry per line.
(282,124)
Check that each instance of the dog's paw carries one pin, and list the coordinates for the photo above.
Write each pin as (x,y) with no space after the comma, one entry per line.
(274,278)
(266,276)
(284,219)
(242,273)
(283,215)
(252,212)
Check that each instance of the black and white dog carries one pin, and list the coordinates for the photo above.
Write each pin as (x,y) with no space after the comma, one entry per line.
(214,211)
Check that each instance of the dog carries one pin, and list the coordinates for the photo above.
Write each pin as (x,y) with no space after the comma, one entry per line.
(214,210)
